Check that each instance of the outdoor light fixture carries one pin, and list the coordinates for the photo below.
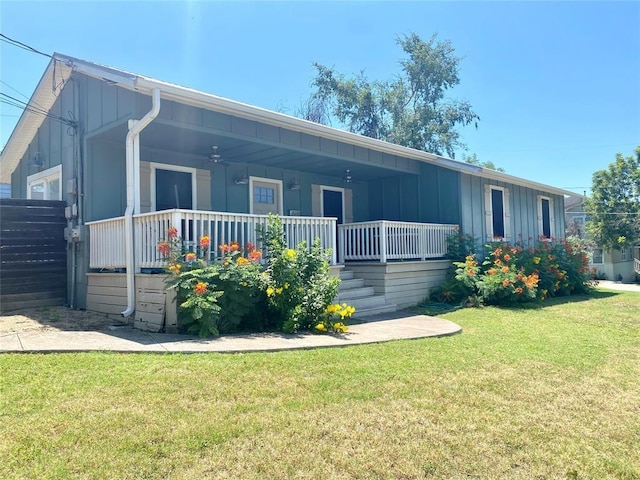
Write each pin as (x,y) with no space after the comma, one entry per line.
(243,180)
(294,185)
(347,177)
(36,161)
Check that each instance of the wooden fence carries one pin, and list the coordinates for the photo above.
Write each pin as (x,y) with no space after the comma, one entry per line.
(33,254)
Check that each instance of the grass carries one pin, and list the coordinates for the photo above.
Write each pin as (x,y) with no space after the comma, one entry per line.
(549,392)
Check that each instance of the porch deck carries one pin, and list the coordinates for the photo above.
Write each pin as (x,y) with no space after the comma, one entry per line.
(377,241)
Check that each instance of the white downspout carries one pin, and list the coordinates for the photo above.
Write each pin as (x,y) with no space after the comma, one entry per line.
(133,194)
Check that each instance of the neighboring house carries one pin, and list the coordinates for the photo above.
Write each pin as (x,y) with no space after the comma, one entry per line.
(5,190)
(206,164)
(609,264)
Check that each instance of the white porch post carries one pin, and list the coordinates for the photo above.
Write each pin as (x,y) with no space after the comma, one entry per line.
(341,242)
(333,240)
(383,241)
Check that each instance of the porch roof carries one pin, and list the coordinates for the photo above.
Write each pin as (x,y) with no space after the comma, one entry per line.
(45,96)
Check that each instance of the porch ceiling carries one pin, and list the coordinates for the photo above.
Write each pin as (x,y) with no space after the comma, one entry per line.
(196,145)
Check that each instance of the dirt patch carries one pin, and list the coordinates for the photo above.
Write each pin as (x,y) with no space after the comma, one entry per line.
(53,319)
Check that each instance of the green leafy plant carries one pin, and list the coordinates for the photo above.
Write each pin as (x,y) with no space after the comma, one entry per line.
(223,297)
(513,274)
(298,285)
(459,245)
(236,293)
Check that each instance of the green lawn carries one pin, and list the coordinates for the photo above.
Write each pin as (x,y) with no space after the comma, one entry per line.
(551,392)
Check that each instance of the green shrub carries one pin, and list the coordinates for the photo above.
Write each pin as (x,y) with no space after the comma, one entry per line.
(460,245)
(512,273)
(298,285)
(235,293)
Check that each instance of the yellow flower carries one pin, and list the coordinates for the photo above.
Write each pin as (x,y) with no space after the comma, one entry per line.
(291,253)
(279,290)
(270,291)
(286,285)
(332,308)
(320,327)
(340,327)
(242,261)
(536,260)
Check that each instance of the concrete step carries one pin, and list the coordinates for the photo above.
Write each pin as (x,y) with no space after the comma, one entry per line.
(349,284)
(346,275)
(346,295)
(366,313)
(367,302)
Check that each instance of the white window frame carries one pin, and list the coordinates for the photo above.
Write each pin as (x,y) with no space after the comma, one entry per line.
(601,262)
(332,189)
(176,168)
(624,254)
(506,212)
(266,180)
(552,219)
(45,177)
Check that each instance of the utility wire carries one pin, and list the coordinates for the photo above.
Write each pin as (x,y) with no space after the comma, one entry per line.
(24,46)
(22,102)
(19,92)
(9,100)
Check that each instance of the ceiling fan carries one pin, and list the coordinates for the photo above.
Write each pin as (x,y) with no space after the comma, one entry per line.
(214,156)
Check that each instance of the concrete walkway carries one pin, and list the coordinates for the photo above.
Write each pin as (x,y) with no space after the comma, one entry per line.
(625,287)
(126,339)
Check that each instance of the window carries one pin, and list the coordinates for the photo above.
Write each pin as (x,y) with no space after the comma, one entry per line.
(45,185)
(624,256)
(264,195)
(546,218)
(497,213)
(597,256)
(172,186)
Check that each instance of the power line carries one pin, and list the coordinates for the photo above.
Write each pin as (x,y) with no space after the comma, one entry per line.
(14,102)
(24,46)
(19,92)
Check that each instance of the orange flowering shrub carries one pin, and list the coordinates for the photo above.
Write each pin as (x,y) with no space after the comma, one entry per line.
(513,274)
(238,292)
(219,296)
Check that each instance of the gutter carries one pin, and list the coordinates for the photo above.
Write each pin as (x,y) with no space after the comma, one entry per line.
(133,194)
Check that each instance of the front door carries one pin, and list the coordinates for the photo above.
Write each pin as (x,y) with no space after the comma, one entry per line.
(333,206)
(266,196)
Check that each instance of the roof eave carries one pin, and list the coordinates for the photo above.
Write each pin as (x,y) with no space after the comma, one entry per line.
(29,122)
(16,147)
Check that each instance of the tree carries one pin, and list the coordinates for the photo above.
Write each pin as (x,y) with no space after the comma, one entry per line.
(614,206)
(473,160)
(410,110)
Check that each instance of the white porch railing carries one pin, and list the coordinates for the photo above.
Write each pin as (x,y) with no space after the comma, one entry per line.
(386,240)
(636,265)
(107,236)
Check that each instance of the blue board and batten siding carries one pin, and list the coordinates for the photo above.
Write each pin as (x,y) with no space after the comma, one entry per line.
(523,207)
(433,196)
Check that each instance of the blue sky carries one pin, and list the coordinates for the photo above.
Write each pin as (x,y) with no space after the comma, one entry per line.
(556,84)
